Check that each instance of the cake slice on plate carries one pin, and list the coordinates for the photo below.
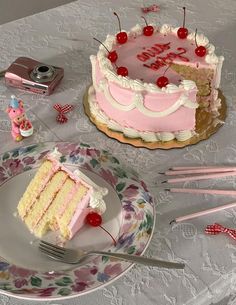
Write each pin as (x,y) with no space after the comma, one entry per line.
(58,199)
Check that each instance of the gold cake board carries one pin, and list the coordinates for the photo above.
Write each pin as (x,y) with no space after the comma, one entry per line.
(205,127)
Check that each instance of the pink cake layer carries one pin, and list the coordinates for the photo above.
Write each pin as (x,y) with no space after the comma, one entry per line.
(82,209)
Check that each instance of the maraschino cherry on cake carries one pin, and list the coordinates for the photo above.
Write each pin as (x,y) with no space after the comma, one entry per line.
(153,86)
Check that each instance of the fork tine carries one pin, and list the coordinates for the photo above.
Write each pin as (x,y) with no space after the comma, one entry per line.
(45,243)
(51,249)
(51,252)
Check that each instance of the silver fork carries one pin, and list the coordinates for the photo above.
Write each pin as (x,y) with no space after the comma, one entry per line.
(71,256)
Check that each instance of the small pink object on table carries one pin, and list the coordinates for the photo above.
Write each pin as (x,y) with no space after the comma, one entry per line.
(217,229)
(61,118)
(211,173)
(205,212)
(200,171)
(151,8)
(16,113)
(176,168)
(200,177)
(203,191)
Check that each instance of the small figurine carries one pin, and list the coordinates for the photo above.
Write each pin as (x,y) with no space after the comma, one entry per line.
(20,126)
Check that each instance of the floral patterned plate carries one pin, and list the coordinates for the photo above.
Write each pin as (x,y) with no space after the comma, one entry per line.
(129,218)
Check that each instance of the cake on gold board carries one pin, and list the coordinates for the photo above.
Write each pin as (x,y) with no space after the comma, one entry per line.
(58,199)
(206,125)
(151,85)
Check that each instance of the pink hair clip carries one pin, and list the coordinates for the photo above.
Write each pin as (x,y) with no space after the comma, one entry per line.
(216,228)
(61,118)
(151,8)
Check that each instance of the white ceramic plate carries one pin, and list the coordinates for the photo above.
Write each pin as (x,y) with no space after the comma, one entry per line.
(129,219)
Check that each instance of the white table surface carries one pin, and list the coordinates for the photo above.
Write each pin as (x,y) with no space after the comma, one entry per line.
(63,37)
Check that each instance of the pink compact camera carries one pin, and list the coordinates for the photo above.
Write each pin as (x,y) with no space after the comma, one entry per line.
(31,75)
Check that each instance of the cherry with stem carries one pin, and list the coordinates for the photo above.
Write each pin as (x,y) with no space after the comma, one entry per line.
(121,37)
(200,51)
(95,220)
(163,81)
(148,29)
(183,31)
(112,55)
(123,71)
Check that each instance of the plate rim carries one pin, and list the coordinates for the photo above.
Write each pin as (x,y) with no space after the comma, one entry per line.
(45,145)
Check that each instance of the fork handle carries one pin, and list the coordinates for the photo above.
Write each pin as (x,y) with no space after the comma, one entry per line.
(140,260)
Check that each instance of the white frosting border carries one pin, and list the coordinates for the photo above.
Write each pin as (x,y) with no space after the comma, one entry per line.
(108,70)
(146,136)
(138,99)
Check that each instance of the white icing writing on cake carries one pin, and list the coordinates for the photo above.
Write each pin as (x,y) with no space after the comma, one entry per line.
(161,61)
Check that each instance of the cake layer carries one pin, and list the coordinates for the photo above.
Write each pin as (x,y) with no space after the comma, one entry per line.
(45,199)
(204,79)
(64,219)
(48,220)
(35,187)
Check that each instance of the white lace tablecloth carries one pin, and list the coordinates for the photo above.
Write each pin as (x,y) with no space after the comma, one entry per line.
(63,37)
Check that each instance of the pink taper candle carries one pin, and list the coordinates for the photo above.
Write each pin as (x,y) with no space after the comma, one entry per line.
(199,167)
(200,177)
(205,212)
(200,171)
(203,191)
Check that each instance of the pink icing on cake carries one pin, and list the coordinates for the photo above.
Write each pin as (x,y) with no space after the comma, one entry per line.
(137,120)
(81,212)
(144,56)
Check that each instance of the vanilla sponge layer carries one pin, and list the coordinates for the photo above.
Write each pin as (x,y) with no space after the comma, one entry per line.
(204,79)
(41,178)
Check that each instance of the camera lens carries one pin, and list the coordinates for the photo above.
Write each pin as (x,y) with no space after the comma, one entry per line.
(43,69)
(42,73)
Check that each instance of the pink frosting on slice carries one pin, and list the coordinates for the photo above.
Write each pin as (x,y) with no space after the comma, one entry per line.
(80,214)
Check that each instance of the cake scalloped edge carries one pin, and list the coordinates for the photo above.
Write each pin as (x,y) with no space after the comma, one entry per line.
(146,136)
(138,99)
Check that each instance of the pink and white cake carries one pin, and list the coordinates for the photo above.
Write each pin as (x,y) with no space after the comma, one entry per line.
(58,199)
(153,85)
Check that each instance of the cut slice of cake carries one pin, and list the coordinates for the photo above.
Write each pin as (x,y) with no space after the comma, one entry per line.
(59,200)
